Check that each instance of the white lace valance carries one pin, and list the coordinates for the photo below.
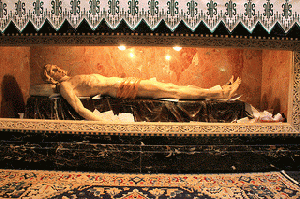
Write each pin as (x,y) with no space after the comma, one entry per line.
(192,12)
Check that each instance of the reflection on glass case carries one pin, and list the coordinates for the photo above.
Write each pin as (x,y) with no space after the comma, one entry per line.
(205,67)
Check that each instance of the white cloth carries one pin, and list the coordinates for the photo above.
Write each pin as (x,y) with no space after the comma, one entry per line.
(192,12)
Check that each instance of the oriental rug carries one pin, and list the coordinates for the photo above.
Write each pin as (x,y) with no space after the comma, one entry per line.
(64,185)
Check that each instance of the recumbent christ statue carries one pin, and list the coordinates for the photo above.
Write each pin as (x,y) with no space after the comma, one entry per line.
(71,88)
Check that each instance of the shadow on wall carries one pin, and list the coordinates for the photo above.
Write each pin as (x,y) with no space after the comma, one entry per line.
(12,98)
(274,107)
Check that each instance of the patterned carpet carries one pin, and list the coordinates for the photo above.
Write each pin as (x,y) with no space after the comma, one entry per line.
(65,185)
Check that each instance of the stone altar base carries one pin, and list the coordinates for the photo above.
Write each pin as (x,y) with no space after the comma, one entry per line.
(141,154)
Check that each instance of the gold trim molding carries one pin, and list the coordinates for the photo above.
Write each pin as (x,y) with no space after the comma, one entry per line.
(146,128)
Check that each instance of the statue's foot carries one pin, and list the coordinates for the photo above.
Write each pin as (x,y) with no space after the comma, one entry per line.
(230,81)
(229,90)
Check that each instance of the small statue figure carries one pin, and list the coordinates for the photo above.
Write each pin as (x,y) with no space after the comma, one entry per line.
(71,88)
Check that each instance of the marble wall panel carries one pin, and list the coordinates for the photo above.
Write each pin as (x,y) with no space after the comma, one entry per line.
(15,80)
(276,78)
(204,67)
(143,154)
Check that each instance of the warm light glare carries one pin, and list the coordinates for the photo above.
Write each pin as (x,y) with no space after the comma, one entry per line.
(168,57)
(131,55)
(177,48)
(122,47)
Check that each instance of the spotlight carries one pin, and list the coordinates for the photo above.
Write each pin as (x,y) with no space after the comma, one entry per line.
(177,48)
(168,57)
(131,55)
(122,47)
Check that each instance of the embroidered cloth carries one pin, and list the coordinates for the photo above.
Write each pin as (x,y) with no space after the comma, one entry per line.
(192,12)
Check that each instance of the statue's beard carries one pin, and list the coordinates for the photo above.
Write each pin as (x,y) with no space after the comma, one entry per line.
(63,78)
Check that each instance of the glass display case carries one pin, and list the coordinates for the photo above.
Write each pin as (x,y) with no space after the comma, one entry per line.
(84,44)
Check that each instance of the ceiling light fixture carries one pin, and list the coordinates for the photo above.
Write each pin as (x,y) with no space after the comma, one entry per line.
(122,47)
(177,48)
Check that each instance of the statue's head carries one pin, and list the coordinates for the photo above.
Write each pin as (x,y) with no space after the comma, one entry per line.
(53,74)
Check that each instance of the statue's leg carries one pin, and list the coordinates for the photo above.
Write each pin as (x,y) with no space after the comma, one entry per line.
(157,90)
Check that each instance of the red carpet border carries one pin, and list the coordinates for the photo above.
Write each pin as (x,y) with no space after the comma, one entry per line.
(57,184)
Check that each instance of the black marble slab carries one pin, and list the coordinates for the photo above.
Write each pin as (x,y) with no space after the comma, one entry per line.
(148,154)
(143,110)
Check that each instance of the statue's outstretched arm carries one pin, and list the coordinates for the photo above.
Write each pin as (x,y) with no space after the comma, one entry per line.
(67,93)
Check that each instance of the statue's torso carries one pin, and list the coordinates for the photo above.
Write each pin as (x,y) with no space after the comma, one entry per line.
(95,84)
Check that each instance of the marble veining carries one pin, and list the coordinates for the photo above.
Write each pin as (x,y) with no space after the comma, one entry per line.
(147,154)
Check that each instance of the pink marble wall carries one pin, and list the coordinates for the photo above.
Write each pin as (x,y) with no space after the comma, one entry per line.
(203,67)
(276,73)
(265,74)
(15,80)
